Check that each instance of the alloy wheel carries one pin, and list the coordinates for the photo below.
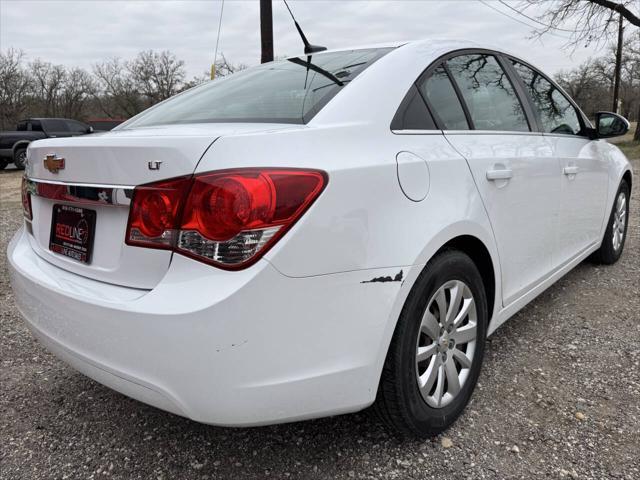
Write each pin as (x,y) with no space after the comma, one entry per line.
(619,221)
(446,343)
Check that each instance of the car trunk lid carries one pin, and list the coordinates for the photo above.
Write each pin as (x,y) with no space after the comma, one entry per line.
(74,177)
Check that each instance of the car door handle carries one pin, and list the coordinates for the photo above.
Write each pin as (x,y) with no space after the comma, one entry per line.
(571,170)
(502,174)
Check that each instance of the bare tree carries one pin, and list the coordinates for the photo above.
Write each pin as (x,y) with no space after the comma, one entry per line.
(118,93)
(128,87)
(79,88)
(587,21)
(115,87)
(15,85)
(224,67)
(158,75)
(48,84)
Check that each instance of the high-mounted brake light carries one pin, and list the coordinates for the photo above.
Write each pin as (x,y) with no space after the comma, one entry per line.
(228,218)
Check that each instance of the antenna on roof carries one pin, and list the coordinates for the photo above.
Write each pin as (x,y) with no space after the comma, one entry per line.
(308,48)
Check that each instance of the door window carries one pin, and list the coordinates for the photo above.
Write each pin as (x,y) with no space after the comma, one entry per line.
(487,91)
(57,126)
(442,98)
(556,113)
(77,127)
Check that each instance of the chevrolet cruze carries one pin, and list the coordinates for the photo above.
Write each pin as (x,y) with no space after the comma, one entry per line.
(316,235)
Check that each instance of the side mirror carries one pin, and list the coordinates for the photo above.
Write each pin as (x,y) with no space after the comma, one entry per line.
(611,125)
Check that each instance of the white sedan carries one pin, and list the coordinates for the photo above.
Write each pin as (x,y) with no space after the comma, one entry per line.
(318,234)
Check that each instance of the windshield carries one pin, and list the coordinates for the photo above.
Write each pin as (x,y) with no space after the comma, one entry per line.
(285,91)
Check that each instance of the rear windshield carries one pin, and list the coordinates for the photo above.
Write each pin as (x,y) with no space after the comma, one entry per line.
(285,91)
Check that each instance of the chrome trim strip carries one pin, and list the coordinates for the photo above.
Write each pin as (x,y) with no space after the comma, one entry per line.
(416,132)
(85,193)
(492,132)
(566,135)
(75,184)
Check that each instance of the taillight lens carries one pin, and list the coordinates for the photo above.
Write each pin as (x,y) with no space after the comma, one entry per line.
(26,200)
(155,213)
(228,218)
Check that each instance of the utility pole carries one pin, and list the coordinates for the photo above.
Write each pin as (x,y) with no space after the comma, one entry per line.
(266,31)
(616,86)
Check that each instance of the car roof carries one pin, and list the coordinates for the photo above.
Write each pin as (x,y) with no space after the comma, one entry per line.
(437,45)
(394,73)
(48,118)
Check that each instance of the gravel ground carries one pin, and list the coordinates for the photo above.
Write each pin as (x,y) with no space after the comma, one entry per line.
(559,397)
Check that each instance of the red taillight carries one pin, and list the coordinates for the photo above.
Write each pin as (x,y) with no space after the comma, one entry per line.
(228,218)
(26,200)
(154,217)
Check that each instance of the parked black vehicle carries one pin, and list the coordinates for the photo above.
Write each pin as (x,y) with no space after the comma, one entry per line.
(13,145)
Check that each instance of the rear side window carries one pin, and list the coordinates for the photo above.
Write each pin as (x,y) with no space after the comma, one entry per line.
(490,98)
(443,101)
(413,113)
(556,113)
(286,91)
(77,127)
(54,125)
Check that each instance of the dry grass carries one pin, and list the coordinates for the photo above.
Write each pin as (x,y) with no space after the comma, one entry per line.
(630,147)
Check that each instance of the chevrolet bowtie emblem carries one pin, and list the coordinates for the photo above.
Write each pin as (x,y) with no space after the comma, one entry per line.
(53,163)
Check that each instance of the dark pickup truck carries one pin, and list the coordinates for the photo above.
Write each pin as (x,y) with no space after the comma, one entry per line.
(13,145)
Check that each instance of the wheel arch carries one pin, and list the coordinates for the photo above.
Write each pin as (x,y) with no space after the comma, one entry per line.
(485,257)
(479,254)
(20,144)
(628,177)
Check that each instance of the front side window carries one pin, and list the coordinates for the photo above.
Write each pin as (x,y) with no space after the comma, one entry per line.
(490,98)
(286,91)
(556,113)
(442,98)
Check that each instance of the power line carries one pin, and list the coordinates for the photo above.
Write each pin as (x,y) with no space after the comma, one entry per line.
(486,4)
(538,21)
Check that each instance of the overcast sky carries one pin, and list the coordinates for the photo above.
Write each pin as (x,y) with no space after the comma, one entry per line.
(80,33)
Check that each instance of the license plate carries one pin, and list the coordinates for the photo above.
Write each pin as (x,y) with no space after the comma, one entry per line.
(72,231)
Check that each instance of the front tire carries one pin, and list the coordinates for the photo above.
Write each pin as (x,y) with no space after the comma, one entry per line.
(436,352)
(3,163)
(20,158)
(616,232)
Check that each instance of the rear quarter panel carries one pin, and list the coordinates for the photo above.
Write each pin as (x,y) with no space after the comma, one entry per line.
(618,165)
(362,220)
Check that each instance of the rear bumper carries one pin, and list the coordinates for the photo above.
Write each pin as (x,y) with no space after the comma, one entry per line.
(227,348)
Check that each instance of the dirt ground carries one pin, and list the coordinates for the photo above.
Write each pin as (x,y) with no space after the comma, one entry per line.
(559,397)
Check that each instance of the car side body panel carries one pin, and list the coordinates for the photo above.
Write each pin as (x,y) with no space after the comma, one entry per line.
(361,220)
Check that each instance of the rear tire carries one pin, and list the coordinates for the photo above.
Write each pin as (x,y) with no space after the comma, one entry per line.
(20,158)
(421,393)
(616,232)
